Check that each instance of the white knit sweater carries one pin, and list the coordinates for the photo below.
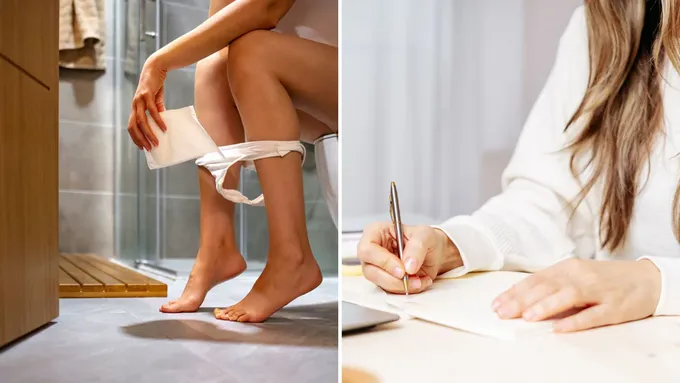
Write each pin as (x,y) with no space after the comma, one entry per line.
(527,226)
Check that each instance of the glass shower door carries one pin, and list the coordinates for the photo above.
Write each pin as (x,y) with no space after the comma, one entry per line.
(136,185)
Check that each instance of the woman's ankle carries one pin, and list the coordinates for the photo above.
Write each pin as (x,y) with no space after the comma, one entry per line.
(291,252)
(221,245)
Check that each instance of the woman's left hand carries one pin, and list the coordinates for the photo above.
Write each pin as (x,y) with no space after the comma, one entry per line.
(609,292)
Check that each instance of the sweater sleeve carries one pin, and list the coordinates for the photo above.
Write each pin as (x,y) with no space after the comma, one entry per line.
(529,225)
(669,301)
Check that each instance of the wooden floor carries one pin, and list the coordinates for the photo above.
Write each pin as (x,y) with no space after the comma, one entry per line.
(91,276)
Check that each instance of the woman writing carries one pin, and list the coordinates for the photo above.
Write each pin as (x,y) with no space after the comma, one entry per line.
(590,199)
(267,86)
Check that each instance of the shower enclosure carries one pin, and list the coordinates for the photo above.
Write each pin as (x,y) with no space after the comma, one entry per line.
(157,212)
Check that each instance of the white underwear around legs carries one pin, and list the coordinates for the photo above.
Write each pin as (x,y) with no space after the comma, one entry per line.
(219,163)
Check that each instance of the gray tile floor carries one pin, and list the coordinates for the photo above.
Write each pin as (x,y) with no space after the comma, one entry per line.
(129,340)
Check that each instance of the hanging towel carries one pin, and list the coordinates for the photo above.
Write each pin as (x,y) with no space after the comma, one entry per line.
(82,28)
(131,61)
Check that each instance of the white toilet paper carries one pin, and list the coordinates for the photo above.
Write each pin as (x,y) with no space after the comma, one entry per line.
(184,140)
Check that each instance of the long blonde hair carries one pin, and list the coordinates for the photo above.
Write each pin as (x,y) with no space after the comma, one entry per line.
(628,44)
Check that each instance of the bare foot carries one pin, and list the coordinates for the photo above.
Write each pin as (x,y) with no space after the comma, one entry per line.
(212,267)
(282,280)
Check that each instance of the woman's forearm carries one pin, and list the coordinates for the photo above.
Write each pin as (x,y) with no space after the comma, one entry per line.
(218,31)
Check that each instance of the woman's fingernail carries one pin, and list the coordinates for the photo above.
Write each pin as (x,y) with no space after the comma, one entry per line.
(398,272)
(529,315)
(410,265)
(428,282)
(495,304)
(503,312)
(417,283)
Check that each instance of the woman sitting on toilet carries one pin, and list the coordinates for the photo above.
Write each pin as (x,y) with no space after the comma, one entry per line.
(255,83)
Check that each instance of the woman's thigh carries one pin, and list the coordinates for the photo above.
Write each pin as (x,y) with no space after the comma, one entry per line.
(217,5)
(308,70)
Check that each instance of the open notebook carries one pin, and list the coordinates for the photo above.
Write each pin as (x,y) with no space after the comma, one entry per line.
(465,304)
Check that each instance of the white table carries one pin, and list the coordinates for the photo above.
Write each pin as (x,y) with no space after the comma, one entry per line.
(414,351)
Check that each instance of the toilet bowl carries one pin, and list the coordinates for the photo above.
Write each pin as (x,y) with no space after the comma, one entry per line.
(326,156)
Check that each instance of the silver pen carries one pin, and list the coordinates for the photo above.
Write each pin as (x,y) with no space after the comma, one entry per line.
(395,214)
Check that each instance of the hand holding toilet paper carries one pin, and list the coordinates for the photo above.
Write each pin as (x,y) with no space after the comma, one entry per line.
(184,140)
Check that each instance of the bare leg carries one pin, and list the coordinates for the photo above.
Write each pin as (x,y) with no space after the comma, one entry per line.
(311,127)
(218,258)
(265,70)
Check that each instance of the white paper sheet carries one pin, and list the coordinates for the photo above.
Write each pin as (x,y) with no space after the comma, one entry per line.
(375,304)
(184,140)
(465,304)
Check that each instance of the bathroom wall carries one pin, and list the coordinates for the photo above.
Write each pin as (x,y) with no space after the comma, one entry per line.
(86,154)
(89,158)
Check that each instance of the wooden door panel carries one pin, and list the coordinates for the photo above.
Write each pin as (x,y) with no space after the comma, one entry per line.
(29,202)
(29,37)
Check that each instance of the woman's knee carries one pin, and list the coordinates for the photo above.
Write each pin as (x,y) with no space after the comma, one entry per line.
(249,55)
(211,69)
(211,82)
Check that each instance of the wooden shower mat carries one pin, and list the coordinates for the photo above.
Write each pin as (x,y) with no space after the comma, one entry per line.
(91,276)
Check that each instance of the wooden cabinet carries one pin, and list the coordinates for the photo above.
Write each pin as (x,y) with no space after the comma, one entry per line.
(29,37)
(29,141)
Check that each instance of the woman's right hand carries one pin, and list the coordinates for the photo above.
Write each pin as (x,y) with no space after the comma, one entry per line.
(428,252)
(149,96)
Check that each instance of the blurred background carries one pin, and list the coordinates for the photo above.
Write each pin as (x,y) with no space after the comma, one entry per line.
(111,204)
(434,96)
